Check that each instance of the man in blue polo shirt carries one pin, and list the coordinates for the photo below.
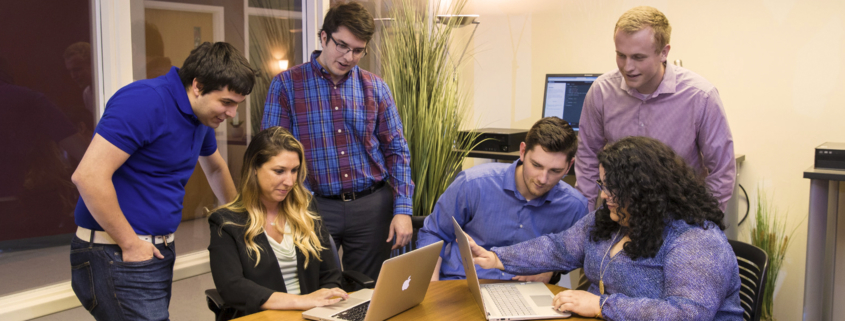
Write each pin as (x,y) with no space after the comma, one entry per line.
(504,204)
(132,180)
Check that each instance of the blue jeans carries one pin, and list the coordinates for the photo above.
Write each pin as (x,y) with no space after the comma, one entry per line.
(111,289)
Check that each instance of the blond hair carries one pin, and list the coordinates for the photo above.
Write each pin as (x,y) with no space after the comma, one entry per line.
(266,145)
(642,17)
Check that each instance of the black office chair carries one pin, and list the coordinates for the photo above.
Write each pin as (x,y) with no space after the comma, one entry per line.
(222,312)
(352,280)
(583,282)
(218,306)
(753,270)
(418,221)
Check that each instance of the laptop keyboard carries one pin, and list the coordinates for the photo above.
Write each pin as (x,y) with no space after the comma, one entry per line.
(508,300)
(356,313)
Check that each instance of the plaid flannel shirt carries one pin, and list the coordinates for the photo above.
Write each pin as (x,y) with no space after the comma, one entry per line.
(351,131)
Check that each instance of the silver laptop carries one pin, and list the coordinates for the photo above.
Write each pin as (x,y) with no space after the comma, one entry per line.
(506,301)
(401,285)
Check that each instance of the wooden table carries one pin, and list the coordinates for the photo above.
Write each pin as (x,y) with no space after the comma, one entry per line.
(445,300)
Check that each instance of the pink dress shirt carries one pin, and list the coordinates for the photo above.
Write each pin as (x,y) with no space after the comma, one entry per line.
(685,112)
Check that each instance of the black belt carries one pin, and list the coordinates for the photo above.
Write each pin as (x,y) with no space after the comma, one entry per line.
(351,196)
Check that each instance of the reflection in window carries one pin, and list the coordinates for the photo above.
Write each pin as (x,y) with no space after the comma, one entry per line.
(48,119)
(157,63)
(275,44)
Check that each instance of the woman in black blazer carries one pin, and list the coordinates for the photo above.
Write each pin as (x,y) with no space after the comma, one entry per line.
(298,271)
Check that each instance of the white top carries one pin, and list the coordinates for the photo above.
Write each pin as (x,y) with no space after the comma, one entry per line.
(286,256)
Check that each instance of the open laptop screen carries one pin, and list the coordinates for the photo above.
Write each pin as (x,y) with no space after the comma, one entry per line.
(564,96)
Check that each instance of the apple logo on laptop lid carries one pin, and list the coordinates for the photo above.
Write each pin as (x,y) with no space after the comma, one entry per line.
(406,284)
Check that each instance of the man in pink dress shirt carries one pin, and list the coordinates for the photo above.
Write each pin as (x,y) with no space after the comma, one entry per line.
(647,97)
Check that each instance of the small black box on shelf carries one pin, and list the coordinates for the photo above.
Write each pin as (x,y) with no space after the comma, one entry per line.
(503,140)
(830,155)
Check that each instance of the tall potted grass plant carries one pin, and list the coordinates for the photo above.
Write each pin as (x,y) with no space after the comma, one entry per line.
(417,67)
(768,232)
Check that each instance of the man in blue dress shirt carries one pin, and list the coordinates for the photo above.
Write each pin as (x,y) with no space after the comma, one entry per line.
(132,180)
(500,204)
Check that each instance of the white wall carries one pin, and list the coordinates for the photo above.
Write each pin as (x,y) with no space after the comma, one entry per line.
(778,66)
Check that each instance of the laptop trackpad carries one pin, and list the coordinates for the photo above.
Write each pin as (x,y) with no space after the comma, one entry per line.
(542,300)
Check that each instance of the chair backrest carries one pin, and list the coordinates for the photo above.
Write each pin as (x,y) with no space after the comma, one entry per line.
(753,269)
(583,282)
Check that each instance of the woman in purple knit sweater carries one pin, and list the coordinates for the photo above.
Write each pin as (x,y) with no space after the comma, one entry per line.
(654,251)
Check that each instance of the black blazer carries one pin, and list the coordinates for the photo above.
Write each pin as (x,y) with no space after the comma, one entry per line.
(245,286)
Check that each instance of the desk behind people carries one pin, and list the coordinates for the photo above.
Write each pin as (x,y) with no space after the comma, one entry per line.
(445,300)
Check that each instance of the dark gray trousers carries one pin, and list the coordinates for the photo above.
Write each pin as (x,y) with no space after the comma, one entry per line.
(360,227)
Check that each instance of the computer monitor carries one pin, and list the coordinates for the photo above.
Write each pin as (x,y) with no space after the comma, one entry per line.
(564,97)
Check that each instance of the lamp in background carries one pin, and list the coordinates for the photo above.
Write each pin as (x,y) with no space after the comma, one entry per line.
(283,65)
(458,21)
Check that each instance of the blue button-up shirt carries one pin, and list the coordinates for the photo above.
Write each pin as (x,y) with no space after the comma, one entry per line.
(694,275)
(485,202)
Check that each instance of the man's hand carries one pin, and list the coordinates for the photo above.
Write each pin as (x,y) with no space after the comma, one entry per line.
(403,229)
(140,251)
(484,258)
(542,277)
(581,302)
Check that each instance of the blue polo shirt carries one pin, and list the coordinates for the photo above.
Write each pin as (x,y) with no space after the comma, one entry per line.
(152,121)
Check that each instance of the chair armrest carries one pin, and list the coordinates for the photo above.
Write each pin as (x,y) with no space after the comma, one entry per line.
(555,277)
(359,278)
(417,222)
(214,297)
(214,301)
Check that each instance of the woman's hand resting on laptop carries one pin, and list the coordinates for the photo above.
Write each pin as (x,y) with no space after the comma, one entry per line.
(484,258)
(581,302)
(321,297)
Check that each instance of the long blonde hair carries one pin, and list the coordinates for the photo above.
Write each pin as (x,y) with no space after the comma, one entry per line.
(266,145)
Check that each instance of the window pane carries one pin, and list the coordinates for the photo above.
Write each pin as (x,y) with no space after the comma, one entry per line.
(275,44)
(49,116)
(292,5)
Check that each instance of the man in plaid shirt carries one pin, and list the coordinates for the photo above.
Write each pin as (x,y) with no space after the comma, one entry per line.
(350,128)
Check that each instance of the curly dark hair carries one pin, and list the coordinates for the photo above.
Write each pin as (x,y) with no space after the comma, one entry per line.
(656,187)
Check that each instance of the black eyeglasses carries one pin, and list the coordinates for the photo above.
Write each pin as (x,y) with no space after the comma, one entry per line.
(602,187)
(344,48)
